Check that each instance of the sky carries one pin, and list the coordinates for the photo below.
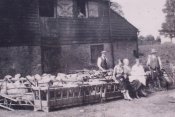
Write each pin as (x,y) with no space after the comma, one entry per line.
(146,15)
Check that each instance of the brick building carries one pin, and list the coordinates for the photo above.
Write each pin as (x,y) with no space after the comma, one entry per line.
(59,35)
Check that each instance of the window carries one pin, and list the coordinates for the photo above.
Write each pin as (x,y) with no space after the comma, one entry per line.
(81,6)
(87,8)
(96,52)
(93,9)
(46,8)
(65,8)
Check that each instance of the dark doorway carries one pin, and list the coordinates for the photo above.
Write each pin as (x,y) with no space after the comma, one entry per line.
(51,59)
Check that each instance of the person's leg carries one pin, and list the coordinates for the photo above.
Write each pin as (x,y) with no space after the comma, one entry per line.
(138,86)
(155,76)
(149,82)
(122,87)
(126,88)
(137,95)
(142,91)
(158,83)
(128,96)
(158,77)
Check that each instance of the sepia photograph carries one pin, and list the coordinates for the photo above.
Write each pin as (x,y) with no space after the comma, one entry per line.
(87,58)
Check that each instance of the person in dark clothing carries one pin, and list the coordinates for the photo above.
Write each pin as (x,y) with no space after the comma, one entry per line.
(119,78)
(102,62)
(155,66)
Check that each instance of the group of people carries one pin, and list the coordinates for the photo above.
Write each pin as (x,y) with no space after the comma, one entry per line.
(133,80)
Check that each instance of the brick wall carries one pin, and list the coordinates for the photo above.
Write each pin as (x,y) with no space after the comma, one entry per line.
(21,59)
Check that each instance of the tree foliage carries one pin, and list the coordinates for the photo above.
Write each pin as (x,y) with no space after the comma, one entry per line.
(146,38)
(141,37)
(168,27)
(117,8)
(149,38)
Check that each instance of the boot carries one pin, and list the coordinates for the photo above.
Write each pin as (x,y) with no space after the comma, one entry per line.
(128,96)
(143,93)
(136,94)
(124,93)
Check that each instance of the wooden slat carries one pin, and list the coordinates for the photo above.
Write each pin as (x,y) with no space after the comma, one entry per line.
(8,97)
(5,107)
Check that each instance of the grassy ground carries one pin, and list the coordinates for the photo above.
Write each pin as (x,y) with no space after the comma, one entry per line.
(160,104)
(165,51)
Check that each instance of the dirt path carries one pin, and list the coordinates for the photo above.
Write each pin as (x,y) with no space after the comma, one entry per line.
(160,104)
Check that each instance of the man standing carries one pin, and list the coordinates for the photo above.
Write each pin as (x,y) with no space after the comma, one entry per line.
(155,65)
(102,62)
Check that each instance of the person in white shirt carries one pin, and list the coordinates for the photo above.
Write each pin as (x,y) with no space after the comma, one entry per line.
(138,73)
(133,84)
(102,62)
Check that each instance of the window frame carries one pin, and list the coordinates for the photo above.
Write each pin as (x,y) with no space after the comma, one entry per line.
(86,9)
(97,9)
(73,10)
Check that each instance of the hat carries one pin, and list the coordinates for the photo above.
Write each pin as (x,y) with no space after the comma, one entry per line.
(153,51)
(103,52)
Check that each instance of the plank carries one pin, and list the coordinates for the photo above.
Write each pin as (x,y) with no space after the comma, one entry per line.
(5,107)
(5,96)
